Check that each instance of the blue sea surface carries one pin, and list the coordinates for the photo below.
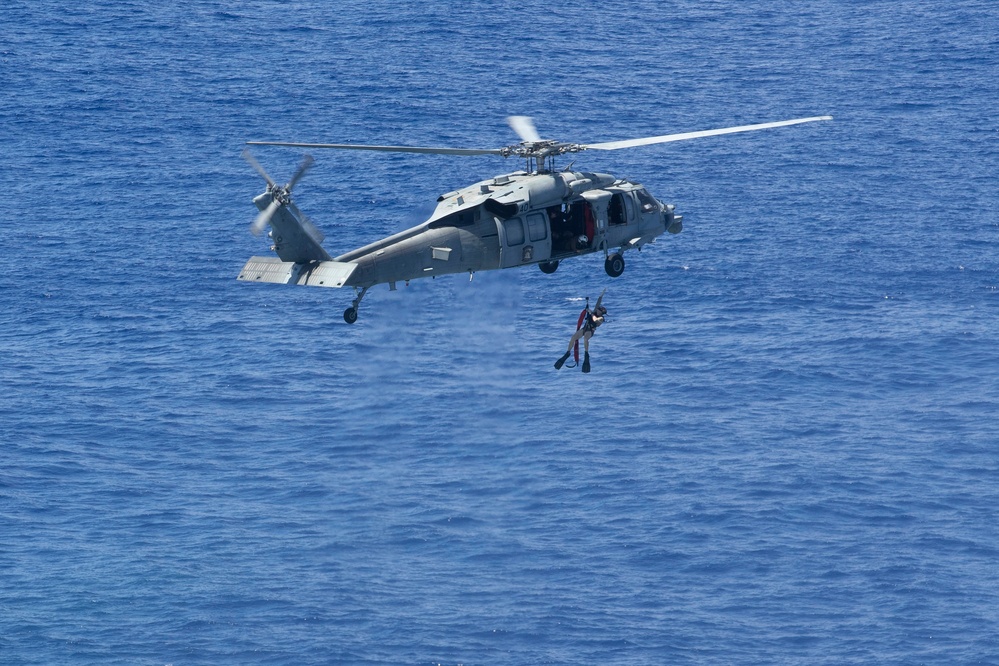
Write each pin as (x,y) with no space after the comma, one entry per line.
(787,451)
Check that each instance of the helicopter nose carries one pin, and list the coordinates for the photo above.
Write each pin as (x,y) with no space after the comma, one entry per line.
(672,222)
(675,225)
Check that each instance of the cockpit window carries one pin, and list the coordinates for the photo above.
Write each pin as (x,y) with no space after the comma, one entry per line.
(647,201)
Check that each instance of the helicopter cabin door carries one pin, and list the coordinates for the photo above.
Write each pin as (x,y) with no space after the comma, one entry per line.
(524,239)
(598,200)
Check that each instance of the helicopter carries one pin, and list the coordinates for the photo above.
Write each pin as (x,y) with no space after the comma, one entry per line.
(537,215)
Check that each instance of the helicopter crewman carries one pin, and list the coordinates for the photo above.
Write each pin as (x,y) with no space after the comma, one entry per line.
(592,319)
(563,240)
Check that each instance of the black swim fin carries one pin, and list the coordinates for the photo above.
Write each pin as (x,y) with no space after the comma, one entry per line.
(586,362)
(559,363)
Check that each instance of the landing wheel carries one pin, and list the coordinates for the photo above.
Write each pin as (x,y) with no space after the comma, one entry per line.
(614,265)
(548,267)
(350,314)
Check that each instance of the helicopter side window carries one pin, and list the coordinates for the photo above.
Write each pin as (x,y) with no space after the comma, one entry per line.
(514,230)
(629,207)
(536,227)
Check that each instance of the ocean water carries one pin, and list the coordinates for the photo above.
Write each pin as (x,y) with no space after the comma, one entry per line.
(787,451)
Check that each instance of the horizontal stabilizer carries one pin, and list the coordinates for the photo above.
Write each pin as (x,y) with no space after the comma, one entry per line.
(313,274)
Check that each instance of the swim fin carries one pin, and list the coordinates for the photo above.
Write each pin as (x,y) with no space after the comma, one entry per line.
(559,363)
(586,362)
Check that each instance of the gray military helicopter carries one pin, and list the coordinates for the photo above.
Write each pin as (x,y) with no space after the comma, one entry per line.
(535,216)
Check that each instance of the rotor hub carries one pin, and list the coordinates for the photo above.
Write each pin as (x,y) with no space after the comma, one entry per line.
(279,193)
(540,149)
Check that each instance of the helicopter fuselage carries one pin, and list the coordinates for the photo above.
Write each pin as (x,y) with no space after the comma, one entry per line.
(508,221)
(514,220)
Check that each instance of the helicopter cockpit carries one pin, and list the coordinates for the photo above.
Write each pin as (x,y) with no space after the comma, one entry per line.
(646,201)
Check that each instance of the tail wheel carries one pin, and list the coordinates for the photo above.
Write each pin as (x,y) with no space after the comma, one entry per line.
(614,265)
(548,267)
(350,315)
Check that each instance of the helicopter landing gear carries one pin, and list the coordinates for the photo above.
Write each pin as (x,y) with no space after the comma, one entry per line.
(350,314)
(614,265)
(548,267)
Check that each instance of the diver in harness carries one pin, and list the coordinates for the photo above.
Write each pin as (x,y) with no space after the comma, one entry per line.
(588,322)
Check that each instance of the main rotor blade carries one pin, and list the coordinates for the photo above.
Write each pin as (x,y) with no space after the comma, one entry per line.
(307,161)
(265,216)
(524,127)
(632,143)
(387,149)
(256,165)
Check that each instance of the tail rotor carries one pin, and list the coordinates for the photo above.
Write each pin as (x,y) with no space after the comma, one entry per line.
(280,194)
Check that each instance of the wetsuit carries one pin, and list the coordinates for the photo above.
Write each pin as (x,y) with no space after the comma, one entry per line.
(590,324)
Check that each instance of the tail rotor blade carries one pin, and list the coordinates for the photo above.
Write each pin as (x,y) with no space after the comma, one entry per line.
(256,165)
(312,230)
(303,167)
(264,217)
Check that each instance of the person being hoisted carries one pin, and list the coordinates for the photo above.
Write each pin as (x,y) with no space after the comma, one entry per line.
(588,322)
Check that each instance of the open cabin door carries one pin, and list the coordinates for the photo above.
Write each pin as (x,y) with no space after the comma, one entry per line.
(598,200)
